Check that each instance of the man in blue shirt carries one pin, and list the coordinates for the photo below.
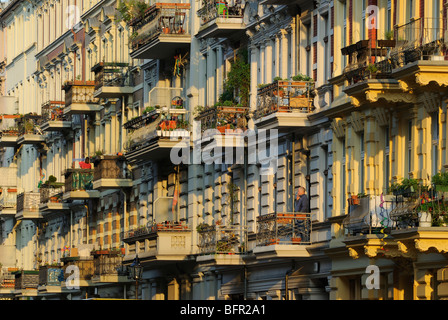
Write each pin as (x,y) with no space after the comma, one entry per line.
(302,205)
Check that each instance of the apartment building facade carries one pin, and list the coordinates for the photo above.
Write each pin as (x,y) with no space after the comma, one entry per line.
(173,104)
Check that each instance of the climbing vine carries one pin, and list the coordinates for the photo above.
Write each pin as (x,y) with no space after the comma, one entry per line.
(238,79)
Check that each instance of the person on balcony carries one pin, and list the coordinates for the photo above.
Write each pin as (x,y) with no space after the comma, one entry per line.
(301,203)
(85,164)
(302,206)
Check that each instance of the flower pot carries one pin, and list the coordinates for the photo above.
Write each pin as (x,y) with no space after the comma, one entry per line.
(424,219)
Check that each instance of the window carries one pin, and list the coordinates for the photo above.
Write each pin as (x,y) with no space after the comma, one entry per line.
(409,147)
(410,10)
(386,158)
(435,141)
(361,163)
(344,32)
(363,25)
(389,16)
(343,184)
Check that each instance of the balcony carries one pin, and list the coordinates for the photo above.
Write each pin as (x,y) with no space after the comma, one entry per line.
(53,118)
(28,206)
(283,235)
(26,282)
(369,74)
(8,196)
(7,283)
(109,173)
(8,129)
(86,267)
(154,134)
(224,245)
(8,137)
(50,279)
(223,126)
(51,200)
(79,185)
(419,58)
(284,104)
(108,267)
(112,80)
(219,20)
(29,130)
(159,243)
(162,32)
(8,201)
(79,98)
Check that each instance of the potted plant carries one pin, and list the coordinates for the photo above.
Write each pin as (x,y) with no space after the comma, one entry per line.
(373,70)
(440,180)
(388,42)
(424,213)
(405,187)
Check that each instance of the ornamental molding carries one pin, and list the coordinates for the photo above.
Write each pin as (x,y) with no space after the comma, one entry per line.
(357,121)
(423,79)
(431,101)
(391,97)
(424,245)
(338,127)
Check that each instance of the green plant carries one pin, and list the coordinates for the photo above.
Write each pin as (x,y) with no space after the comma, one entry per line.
(301,77)
(389,35)
(238,78)
(372,68)
(411,185)
(440,179)
(129,10)
(148,110)
(278,79)
(52,179)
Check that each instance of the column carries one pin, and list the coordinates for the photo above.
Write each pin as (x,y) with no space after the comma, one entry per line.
(277,56)
(268,58)
(211,58)
(284,54)
(262,63)
(219,71)
(253,77)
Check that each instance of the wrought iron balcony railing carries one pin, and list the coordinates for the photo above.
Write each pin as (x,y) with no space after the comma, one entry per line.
(212,9)
(108,264)
(285,96)
(112,74)
(370,215)
(51,194)
(420,39)
(284,229)
(161,19)
(79,179)
(53,111)
(221,239)
(29,124)
(109,167)
(28,201)
(223,118)
(153,229)
(150,126)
